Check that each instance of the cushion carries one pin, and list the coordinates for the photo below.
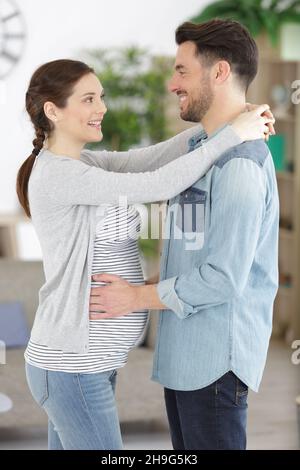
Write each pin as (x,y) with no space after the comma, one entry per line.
(14,330)
(5,403)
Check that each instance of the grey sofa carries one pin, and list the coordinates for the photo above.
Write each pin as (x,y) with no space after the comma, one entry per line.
(138,398)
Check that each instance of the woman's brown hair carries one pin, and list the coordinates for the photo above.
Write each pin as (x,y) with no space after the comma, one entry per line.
(53,81)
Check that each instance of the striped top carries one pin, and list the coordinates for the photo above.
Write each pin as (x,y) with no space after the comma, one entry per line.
(115,252)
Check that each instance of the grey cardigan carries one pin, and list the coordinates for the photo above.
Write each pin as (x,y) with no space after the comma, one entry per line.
(64,194)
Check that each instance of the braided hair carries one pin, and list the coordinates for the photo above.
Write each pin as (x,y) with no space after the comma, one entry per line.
(54,82)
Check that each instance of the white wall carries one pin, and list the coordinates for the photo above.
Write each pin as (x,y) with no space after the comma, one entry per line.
(61,28)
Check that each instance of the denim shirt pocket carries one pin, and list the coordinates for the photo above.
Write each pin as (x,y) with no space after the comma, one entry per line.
(190,217)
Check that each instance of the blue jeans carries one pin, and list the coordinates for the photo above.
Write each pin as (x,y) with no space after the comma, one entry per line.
(81,408)
(213,417)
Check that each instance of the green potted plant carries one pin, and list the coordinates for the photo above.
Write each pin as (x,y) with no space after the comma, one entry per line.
(278,21)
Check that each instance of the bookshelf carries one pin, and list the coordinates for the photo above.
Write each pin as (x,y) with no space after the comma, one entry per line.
(8,234)
(273,85)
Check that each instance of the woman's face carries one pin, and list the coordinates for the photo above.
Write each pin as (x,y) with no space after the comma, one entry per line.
(81,118)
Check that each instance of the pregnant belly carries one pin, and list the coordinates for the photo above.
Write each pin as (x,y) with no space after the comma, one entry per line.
(122,333)
(127,266)
(128,330)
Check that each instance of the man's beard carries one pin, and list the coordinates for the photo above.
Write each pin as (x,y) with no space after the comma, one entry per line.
(199,106)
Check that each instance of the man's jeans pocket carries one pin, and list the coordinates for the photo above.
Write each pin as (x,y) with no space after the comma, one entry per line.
(231,391)
(241,393)
(190,218)
(37,380)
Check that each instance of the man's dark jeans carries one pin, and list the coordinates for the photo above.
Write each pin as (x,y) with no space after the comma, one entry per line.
(213,417)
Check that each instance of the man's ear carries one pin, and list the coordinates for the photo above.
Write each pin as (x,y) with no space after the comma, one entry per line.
(221,72)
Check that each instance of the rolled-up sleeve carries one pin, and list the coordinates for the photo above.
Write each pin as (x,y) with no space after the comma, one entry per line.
(168,295)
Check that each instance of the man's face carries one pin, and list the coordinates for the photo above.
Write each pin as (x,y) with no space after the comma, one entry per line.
(191,83)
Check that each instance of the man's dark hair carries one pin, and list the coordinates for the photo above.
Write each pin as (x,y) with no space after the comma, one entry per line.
(222,39)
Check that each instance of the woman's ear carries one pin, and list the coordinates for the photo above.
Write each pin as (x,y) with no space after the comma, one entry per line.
(50,111)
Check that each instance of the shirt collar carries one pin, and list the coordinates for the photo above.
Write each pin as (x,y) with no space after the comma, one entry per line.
(197,139)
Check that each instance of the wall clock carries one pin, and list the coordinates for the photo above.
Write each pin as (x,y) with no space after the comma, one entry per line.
(12,36)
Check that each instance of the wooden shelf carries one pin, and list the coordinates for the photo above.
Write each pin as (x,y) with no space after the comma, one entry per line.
(277,61)
(274,71)
(8,237)
(286,234)
(12,219)
(287,176)
(288,119)
(286,291)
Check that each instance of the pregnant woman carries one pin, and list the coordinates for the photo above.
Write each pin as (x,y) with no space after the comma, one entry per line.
(81,205)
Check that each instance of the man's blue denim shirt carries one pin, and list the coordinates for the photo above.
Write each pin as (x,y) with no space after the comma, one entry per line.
(219,272)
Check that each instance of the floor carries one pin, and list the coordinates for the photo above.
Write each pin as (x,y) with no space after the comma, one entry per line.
(272,422)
